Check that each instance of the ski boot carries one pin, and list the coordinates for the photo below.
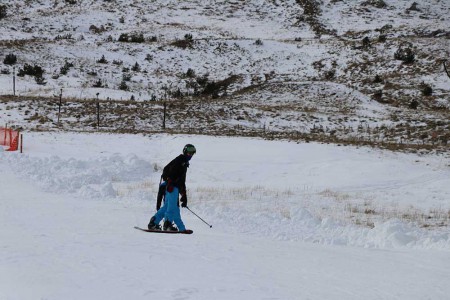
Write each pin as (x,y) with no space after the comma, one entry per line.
(152,225)
(168,226)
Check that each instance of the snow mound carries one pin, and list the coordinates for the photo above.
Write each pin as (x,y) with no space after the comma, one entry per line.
(88,178)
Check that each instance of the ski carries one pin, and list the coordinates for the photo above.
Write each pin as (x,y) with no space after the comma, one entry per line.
(187,231)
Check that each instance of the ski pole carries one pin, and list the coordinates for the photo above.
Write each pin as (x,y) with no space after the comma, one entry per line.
(210,226)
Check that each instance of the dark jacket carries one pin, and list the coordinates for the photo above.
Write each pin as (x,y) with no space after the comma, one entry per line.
(175,171)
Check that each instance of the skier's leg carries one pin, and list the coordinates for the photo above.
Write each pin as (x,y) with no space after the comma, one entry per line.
(173,210)
(160,213)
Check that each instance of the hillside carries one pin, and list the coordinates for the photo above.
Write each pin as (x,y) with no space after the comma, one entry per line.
(352,72)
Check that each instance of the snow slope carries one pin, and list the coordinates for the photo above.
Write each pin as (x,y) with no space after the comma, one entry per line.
(285,221)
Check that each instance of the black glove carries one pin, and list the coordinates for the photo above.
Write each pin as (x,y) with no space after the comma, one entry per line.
(183,200)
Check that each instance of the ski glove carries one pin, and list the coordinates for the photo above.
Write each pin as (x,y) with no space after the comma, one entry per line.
(183,200)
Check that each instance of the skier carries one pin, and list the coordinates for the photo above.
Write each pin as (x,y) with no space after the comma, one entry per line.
(174,185)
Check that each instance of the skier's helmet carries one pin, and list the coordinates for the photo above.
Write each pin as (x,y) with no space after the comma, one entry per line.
(189,149)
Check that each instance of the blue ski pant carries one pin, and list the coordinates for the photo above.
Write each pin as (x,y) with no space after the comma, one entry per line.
(170,211)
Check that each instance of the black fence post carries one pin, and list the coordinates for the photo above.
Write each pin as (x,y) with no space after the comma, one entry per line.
(164,116)
(59,106)
(14,80)
(98,113)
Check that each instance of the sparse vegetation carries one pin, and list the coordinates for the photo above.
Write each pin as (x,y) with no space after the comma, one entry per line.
(10,59)
(132,38)
(3,11)
(65,69)
(27,69)
(405,53)
(314,109)
(187,42)
(102,60)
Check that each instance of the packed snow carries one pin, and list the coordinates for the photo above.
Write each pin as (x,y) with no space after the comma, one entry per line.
(290,221)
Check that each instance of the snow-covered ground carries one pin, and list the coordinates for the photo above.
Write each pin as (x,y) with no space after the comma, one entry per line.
(290,221)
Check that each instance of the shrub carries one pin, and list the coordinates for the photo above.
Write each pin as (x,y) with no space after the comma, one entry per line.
(40,80)
(35,71)
(64,37)
(187,42)
(3,12)
(330,75)
(96,29)
(366,43)
(258,42)
(377,79)
(98,84)
(427,90)
(137,38)
(136,67)
(413,7)
(71,2)
(405,53)
(126,77)
(375,3)
(64,69)
(131,38)
(414,104)
(10,59)
(190,73)
(123,37)
(102,60)
(123,86)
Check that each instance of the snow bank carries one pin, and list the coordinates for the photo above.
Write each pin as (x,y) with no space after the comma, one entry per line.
(92,178)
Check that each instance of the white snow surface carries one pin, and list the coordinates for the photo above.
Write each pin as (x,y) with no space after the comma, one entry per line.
(284,216)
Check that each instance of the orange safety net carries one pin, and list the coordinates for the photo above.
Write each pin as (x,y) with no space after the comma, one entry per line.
(9,138)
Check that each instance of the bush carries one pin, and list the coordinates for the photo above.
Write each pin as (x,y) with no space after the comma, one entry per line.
(64,37)
(35,71)
(375,3)
(136,67)
(102,60)
(405,53)
(98,84)
(123,37)
(65,69)
(258,42)
(427,90)
(131,38)
(366,44)
(3,12)
(187,42)
(123,86)
(377,79)
(414,104)
(190,73)
(40,80)
(10,59)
